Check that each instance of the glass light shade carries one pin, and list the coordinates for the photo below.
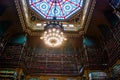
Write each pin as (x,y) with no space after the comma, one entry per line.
(53,37)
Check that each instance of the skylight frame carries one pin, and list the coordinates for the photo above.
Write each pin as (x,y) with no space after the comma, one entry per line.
(61,14)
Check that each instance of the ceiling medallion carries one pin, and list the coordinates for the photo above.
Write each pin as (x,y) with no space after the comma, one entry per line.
(53,35)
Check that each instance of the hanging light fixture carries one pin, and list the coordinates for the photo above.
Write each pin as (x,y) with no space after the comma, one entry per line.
(53,35)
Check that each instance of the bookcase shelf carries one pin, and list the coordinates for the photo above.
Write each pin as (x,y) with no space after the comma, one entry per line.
(113,43)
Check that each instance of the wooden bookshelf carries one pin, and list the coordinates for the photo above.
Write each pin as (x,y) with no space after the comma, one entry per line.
(11,55)
(97,57)
(113,43)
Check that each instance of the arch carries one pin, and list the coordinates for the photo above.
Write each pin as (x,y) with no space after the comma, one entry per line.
(18,39)
(98,75)
(89,41)
(116,71)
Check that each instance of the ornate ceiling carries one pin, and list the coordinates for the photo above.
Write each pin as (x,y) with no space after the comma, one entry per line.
(38,58)
(59,9)
(72,13)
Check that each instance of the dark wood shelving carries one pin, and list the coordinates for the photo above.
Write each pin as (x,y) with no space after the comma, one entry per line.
(97,57)
(113,43)
(11,55)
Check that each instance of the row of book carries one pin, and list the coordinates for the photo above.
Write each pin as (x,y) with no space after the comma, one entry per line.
(113,37)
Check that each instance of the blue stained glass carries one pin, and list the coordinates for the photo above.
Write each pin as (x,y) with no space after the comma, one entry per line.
(60,9)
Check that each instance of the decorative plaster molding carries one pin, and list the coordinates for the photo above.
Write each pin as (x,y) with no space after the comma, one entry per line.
(86,15)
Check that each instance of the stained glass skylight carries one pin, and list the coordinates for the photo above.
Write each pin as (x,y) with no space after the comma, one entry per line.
(56,9)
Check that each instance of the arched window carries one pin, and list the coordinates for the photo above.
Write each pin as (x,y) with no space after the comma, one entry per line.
(52,79)
(71,79)
(34,79)
(116,71)
(97,76)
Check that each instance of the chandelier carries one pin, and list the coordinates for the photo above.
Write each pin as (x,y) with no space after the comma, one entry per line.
(53,35)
